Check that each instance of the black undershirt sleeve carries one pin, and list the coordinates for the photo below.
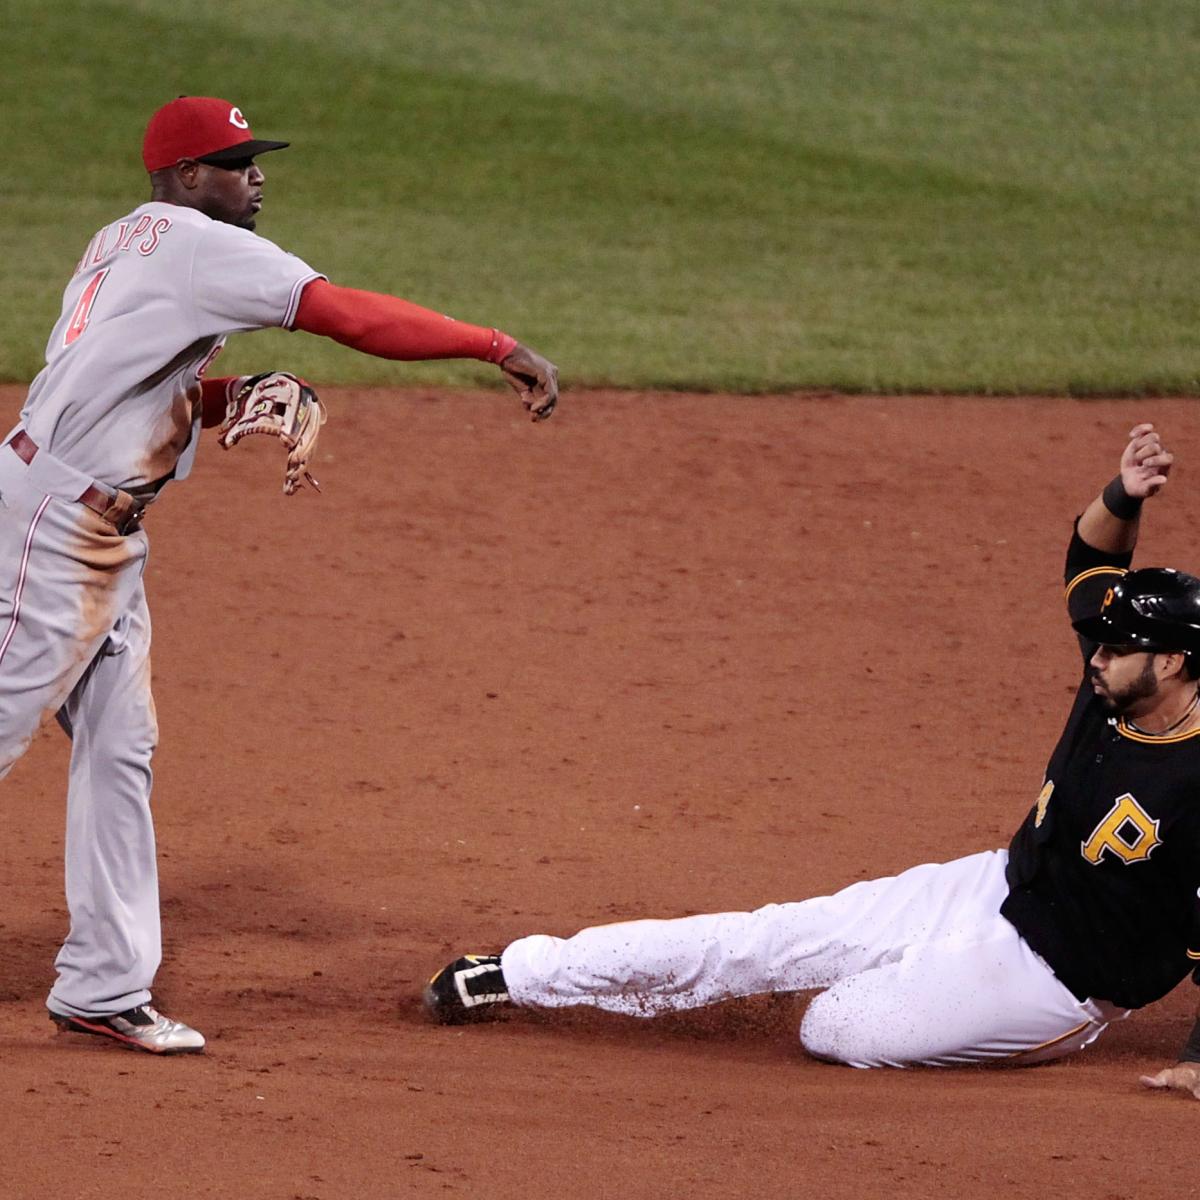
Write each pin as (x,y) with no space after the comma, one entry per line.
(1081,557)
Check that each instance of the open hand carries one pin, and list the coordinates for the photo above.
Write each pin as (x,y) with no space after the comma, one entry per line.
(1183,1077)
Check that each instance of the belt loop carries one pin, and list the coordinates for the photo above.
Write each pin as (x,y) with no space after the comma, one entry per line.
(24,447)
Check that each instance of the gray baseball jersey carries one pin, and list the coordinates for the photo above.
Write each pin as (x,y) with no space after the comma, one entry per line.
(149,307)
(118,404)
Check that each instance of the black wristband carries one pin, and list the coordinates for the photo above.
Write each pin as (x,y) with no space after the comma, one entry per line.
(1191,1051)
(1119,502)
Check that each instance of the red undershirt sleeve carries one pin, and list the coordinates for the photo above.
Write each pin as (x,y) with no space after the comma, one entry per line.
(389,327)
(215,398)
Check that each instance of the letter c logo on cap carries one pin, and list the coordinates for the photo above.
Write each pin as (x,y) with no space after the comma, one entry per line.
(236,119)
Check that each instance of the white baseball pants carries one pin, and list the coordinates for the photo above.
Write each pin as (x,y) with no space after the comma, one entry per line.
(75,641)
(921,969)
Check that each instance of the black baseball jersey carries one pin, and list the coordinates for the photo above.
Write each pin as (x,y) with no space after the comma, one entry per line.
(1103,873)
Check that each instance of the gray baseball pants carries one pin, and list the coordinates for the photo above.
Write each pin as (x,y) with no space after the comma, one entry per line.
(75,642)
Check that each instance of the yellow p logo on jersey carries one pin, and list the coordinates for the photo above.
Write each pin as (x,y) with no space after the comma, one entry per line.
(1126,830)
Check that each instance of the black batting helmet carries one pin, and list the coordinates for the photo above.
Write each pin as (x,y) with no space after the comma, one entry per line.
(1154,609)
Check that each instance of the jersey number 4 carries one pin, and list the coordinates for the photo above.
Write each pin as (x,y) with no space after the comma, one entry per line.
(83,310)
(1126,830)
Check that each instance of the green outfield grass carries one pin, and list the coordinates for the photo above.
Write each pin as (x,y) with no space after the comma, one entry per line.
(888,194)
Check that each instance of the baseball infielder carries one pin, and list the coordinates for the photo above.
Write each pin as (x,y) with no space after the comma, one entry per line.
(114,415)
(1024,954)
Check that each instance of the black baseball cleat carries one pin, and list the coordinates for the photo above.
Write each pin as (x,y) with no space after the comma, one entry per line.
(141,1028)
(467,990)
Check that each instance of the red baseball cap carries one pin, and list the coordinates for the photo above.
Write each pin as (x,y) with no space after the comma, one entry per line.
(200,127)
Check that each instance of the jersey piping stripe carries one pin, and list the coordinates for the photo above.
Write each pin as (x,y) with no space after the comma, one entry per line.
(16,613)
(289,317)
(1052,1042)
(1091,575)
(1150,740)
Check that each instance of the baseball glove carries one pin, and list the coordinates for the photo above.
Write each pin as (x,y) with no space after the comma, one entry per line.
(282,406)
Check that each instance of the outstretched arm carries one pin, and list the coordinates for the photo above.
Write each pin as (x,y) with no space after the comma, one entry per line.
(1110,522)
(389,327)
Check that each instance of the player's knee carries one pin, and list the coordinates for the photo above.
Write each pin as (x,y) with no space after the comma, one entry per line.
(830,1032)
(146,737)
(817,1034)
(141,731)
(134,755)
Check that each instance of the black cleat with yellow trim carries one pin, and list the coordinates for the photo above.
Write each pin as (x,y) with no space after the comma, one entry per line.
(468,989)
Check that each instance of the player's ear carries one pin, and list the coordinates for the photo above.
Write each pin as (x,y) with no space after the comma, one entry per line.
(187,171)
(1173,664)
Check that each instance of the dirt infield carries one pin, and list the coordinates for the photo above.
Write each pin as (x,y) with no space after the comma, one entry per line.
(661,655)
